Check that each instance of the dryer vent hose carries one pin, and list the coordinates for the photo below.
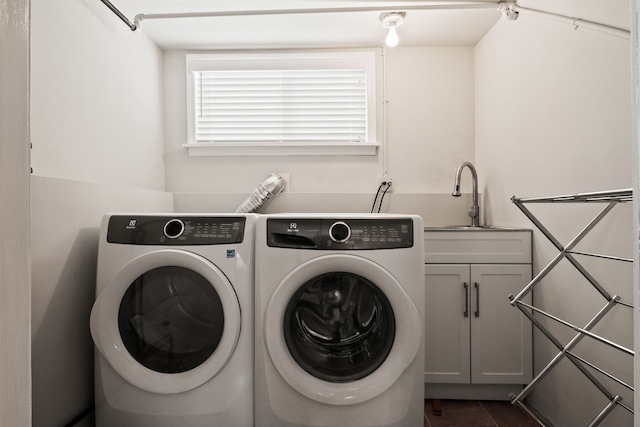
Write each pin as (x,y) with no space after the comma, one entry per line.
(270,187)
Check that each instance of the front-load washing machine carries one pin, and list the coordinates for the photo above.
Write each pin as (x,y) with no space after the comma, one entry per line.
(339,312)
(173,320)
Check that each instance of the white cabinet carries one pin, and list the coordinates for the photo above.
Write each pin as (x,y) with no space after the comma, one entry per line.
(476,343)
(447,331)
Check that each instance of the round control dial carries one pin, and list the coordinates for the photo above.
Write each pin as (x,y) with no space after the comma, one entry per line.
(174,228)
(339,232)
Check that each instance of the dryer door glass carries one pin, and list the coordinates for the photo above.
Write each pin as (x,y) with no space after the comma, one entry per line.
(171,319)
(339,327)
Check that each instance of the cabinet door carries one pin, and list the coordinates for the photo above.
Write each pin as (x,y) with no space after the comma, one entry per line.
(447,324)
(501,340)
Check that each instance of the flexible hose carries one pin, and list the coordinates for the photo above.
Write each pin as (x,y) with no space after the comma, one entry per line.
(270,187)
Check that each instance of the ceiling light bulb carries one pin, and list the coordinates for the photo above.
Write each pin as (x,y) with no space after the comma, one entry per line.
(391,21)
(392,37)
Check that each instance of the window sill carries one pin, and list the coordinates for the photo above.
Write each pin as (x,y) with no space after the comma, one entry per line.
(251,149)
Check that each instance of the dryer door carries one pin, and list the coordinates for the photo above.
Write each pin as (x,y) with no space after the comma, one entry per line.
(167,322)
(341,330)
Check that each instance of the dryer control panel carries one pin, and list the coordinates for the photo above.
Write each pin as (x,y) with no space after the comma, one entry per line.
(340,234)
(175,230)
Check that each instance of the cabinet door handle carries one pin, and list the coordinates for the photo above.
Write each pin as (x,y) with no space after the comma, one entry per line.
(477,286)
(466,299)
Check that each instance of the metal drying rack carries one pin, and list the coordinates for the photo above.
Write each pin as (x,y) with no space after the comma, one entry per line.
(610,199)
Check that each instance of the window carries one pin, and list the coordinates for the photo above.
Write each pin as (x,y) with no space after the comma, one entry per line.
(281,104)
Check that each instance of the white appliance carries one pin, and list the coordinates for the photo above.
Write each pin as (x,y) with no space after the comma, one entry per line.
(173,320)
(339,312)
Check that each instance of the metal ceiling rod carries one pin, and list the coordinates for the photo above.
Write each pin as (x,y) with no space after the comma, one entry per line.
(477,5)
(120,15)
(577,23)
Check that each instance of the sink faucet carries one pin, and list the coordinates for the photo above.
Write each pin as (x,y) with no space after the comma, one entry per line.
(474,213)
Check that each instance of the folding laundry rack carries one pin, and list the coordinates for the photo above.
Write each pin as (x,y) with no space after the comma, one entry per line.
(610,199)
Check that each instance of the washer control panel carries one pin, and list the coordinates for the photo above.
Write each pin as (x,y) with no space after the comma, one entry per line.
(175,230)
(340,234)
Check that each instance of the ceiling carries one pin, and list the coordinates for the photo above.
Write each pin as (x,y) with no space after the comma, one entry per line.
(322,29)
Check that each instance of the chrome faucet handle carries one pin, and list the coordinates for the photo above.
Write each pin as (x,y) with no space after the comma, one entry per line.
(474,213)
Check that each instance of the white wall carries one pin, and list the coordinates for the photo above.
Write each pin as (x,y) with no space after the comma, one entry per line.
(429,132)
(553,117)
(96,111)
(430,117)
(97,133)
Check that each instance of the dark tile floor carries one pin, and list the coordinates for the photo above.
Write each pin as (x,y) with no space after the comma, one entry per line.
(474,413)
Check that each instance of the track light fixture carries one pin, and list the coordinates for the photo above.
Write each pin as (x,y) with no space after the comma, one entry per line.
(391,21)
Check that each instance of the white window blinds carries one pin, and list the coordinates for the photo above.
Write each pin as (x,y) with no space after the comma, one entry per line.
(282,103)
(280,106)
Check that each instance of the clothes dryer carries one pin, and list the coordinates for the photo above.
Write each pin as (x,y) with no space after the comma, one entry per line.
(173,320)
(339,312)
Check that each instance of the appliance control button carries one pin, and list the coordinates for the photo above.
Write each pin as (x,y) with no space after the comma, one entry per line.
(174,229)
(339,232)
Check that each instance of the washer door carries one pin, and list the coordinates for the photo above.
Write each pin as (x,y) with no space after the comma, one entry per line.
(167,322)
(341,330)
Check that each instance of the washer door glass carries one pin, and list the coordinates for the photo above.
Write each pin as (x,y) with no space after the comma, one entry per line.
(339,327)
(171,319)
